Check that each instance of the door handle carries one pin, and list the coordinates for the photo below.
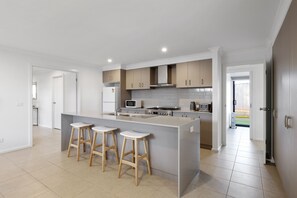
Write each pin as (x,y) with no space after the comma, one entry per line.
(288,122)
(264,109)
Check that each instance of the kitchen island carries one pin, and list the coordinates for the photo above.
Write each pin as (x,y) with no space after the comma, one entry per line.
(174,143)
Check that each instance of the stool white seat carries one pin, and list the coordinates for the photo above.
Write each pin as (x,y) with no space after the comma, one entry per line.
(135,137)
(133,134)
(104,131)
(81,128)
(80,125)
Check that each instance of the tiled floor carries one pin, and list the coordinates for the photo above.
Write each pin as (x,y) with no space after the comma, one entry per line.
(44,171)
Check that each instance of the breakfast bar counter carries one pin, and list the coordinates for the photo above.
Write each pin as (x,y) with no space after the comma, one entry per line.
(174,143)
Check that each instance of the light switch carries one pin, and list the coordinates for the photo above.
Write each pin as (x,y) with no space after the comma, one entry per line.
(192,129)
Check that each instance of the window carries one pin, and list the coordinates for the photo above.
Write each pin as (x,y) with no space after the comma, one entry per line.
(34,91)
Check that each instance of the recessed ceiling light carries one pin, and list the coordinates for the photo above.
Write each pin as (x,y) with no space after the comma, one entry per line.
(164,49)
(109,60)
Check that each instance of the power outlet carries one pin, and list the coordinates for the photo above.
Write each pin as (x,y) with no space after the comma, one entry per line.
(1,140)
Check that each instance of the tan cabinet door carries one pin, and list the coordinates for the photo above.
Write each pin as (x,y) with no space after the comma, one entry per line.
(182,75)
(205,73)
(111,76)
(137,78)
(145,78)
(193,74)
(130,79)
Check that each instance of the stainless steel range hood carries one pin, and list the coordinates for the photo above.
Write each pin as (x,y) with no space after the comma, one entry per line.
(164,77)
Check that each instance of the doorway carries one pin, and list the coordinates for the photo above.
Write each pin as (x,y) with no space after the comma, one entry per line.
(56,93)
(241,101)
(243,106)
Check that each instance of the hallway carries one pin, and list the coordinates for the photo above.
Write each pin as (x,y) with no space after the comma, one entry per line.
(237,170)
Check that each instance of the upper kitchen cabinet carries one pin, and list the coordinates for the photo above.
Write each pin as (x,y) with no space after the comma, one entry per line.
(194,74)
(205,73)
(138,78)
(112,76)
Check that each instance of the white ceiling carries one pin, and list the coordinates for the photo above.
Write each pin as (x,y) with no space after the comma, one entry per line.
(131,31)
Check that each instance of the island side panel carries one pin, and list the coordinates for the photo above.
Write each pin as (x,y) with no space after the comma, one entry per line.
(65,130)
(163,143)
(189,154)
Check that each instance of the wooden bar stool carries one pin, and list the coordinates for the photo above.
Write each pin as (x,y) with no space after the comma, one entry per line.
(135,137)
(81,128)
(104,131)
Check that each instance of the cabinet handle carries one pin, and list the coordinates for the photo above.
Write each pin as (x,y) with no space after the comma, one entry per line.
(202,81)
(185,82)
(132,85)
(289,122)
(142,84)
(189,82)
(285,121)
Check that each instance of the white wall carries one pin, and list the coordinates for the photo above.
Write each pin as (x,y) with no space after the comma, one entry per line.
(15,89)
(14,102)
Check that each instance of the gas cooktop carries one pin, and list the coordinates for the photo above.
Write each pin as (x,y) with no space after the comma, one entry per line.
(164,108)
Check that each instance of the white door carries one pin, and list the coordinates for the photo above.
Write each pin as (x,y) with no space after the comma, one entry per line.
(57,101)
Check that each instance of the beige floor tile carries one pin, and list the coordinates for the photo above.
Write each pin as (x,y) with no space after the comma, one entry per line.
(243,191)
(47,194)
(217,185)
(247,179)
(270,172)
(247,161)
(269,194)
(168,191)
(34,165)
(247,155)
(247,169)
(227,157)
(95,192)
(9,172)
(16,182)
(272,186)
(217,172)
(31,190)
(218,163)
(136,191)
(47,171)
(203,192)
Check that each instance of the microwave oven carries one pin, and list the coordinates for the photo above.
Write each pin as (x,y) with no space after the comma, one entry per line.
(133,103)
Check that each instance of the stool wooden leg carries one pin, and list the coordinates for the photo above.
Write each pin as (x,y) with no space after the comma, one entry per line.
(103,152)
(136,163)
(122,157)
(115,147)
(89,134)
(70,142)
(92,148)
(83,131)
(145,143)
(78,143)
(133,149)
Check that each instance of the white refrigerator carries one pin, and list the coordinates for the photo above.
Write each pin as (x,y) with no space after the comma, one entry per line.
(110,98)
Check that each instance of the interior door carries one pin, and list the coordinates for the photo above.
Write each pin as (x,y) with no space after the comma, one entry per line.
(57,101)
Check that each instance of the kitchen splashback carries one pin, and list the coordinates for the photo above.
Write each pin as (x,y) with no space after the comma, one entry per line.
(173,96)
